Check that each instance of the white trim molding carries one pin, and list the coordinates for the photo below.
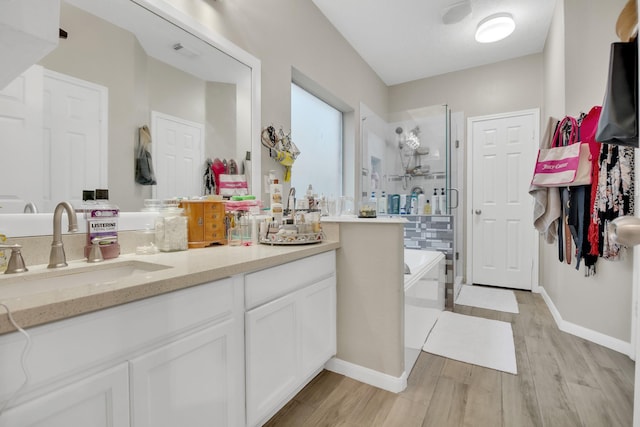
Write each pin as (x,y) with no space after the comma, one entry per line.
(368,376)
(582,332)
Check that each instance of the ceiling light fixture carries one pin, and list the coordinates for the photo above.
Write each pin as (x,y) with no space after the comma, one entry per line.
(495,27)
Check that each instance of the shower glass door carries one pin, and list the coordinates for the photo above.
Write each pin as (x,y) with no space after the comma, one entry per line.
(410,154)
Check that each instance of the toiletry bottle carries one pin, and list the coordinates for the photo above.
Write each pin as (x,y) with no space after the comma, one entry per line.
(373,199)
(276,200)
(443,202)
(403,204)
(427,208)
(395,204)
(310,198)
(102,223)
(382,203)
(436,202)
(421,202)
(414,204)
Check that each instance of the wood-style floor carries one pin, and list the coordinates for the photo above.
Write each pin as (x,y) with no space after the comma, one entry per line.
(562,381)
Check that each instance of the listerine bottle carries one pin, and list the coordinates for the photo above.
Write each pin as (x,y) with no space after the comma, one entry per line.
(102,225)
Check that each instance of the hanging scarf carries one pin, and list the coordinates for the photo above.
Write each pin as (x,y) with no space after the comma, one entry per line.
(615,193)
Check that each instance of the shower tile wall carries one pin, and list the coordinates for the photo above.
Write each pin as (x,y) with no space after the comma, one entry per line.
(433,233)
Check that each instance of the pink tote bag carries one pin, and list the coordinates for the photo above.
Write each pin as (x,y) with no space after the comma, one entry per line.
(563,165)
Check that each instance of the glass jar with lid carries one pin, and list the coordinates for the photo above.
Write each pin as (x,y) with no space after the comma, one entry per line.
(171,227)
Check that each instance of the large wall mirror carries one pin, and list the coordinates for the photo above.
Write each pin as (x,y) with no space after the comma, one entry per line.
(123,62)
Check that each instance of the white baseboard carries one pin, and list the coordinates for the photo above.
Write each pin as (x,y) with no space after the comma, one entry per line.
(582,332)
(368,376)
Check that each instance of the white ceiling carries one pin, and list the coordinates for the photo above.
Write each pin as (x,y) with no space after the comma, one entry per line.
(405,40)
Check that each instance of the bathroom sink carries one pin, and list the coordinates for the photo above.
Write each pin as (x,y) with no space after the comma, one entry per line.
(54,280)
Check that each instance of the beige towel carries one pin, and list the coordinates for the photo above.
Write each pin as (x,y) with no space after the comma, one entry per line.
(546,209)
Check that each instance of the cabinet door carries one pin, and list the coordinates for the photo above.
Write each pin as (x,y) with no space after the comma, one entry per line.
(272,355)
(101,400)
(191,382)
(317,310)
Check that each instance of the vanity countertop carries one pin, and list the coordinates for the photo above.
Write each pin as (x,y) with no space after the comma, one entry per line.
(30,307)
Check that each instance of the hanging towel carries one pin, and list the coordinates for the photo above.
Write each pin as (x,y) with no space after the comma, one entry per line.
(547,206)
(208,179)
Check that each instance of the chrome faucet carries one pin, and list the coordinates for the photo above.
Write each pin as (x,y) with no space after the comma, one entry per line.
(57,257)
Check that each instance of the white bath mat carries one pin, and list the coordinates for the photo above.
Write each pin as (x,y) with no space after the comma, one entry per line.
(474,340)
(490,298)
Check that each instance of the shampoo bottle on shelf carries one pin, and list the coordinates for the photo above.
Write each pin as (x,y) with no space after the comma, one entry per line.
(403,204)
(442,202)
(427,208)
(382,203)
(436,202)
(413,204)
(421,201)
(102,223)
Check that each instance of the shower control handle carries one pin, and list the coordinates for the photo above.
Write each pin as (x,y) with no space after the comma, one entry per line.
(478,211)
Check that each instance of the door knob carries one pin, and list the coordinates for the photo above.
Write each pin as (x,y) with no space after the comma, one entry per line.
(625,230)
(478,211)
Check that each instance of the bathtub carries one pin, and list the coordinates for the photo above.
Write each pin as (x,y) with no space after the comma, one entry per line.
(424,299)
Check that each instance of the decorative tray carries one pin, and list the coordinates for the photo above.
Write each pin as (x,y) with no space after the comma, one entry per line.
(293,239)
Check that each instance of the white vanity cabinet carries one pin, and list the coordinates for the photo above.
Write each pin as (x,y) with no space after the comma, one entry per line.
(98,400)
(173,359)
(290,331)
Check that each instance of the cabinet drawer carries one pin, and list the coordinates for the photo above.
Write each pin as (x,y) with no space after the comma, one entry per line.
(213,227)
(214,235)
(266,285)
(214,210)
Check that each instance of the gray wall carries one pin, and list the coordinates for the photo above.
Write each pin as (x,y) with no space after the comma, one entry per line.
(576,64)
(510,85)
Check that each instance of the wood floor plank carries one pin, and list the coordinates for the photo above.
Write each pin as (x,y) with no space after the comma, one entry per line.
(341,403)
(423,378)
(591,406)
(562,380)
(519,401)
(552,391)
(447,406)
(483,406)
(405,413)
(293,414)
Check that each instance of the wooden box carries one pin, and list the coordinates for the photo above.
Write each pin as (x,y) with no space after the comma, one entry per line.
(206,222)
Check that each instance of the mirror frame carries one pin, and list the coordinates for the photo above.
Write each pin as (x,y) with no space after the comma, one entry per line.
(25,225)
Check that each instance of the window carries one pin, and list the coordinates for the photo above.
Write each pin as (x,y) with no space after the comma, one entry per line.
(316,129)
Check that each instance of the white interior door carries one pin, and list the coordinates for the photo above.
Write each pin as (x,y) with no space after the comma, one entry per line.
(75,123)
(178,153)
(21,126)
(503,241)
